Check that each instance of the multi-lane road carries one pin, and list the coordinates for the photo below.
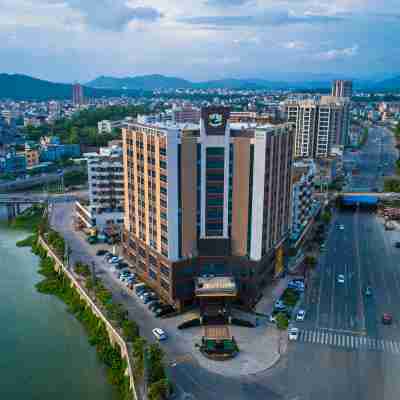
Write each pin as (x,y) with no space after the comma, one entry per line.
(373,162)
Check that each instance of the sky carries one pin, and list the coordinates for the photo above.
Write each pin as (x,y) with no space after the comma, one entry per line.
(78,40)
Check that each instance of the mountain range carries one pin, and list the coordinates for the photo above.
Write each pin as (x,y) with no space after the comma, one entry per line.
(23,87)
(314,82)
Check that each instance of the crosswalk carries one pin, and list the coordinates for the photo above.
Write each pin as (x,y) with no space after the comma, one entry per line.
(356,342)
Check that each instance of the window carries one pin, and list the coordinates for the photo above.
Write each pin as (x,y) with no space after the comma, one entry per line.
(165,285)
(164,269)
(152,274)
(163,164)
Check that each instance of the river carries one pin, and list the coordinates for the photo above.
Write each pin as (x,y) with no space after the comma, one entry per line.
(44,352)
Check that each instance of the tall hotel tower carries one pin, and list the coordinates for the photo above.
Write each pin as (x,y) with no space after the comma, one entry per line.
(206,200)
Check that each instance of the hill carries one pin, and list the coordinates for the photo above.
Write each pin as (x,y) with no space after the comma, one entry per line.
(23,87)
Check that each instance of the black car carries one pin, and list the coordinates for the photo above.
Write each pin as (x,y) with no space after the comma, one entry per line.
(154,305)
(101,252)
(160,312)
(397,244)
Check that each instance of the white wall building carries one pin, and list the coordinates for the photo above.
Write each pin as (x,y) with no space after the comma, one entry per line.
(106,189)
(303,203)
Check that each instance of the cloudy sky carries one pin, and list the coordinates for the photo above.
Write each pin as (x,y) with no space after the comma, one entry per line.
(68,40)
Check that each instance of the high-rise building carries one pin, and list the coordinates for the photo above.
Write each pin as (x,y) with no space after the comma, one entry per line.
(77,94)
(106,189)
(342,88)
(320,124)
(206,200)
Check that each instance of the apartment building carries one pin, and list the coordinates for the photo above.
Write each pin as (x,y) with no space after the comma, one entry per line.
(185,114)
(342,88)
(320,124)
(106,189)
(303,202)
(206,200)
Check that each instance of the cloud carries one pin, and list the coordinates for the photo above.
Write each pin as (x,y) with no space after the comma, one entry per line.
(335,54)
(271,18)
(111,15)
(295,45)
(226,3)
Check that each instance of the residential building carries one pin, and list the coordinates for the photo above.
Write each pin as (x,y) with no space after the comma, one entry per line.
(107,126)
(320,124)
(57,152)
(304,205)
(32,155)
(12,162)
(77,95)
(206,200)
(342,88)
(185,114)
(106,189)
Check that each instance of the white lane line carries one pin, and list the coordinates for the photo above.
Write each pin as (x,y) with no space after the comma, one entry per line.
(356,342)
(314,336)
(396,347)
(352,342)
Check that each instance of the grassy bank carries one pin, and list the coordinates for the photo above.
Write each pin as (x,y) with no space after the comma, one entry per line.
(30,219)
(58,285)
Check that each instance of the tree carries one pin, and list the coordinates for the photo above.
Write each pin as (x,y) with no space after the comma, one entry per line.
(310,261)
(326,217)
(159,390)
(130,330)
(138,347)
(282,321)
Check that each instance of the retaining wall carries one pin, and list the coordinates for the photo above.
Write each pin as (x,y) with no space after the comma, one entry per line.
(115,337)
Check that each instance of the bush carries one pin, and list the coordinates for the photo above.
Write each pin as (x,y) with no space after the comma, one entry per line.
(82,269)
(130,330)
(242,322)
(282,321)
(159,390)
(189,324)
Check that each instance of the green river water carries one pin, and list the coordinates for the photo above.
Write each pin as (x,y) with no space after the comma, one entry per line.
(44,352)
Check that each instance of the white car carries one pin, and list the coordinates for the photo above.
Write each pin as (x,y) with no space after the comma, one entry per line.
(113,260)
(341,227)
(159,334)
(293,333)
(340,278)
(300,315)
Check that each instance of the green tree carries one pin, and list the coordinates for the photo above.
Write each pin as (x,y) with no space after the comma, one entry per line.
(159,390)
(282,321)
(138,347)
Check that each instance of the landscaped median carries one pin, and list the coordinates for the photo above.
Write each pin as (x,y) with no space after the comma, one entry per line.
(115,336)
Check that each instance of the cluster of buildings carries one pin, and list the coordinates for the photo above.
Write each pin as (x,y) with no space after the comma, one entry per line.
(217,194)
(35,155)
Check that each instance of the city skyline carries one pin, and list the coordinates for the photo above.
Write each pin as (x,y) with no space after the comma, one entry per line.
(71,40)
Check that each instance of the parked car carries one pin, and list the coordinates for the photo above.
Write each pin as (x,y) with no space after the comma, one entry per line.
(301,314)
(159,334)
(101,252)
(150,298)
(387,319)
(340,278)
(368,291)
(397,244)
(139,288)
(113,260)
(153,305)
(164,310)
(279,305)
(293,333)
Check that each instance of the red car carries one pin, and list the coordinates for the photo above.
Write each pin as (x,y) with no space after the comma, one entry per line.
(387,319)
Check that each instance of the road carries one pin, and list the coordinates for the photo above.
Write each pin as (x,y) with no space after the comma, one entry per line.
(374,161)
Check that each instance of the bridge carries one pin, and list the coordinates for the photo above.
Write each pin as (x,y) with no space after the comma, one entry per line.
(13,201)
(381,196)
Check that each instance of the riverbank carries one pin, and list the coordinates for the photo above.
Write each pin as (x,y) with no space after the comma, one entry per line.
(44,350)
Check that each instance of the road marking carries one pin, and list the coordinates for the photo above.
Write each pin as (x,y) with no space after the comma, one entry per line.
(355,342)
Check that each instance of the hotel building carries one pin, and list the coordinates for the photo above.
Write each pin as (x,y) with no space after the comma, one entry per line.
(204,200)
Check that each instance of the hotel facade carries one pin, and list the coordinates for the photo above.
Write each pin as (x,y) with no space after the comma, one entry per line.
(206,200)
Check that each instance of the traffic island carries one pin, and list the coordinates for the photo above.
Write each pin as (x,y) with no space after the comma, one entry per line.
(217,343)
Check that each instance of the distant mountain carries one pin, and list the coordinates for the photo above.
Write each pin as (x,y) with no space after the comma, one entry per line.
(23,87)
(153,82)
(145,82)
